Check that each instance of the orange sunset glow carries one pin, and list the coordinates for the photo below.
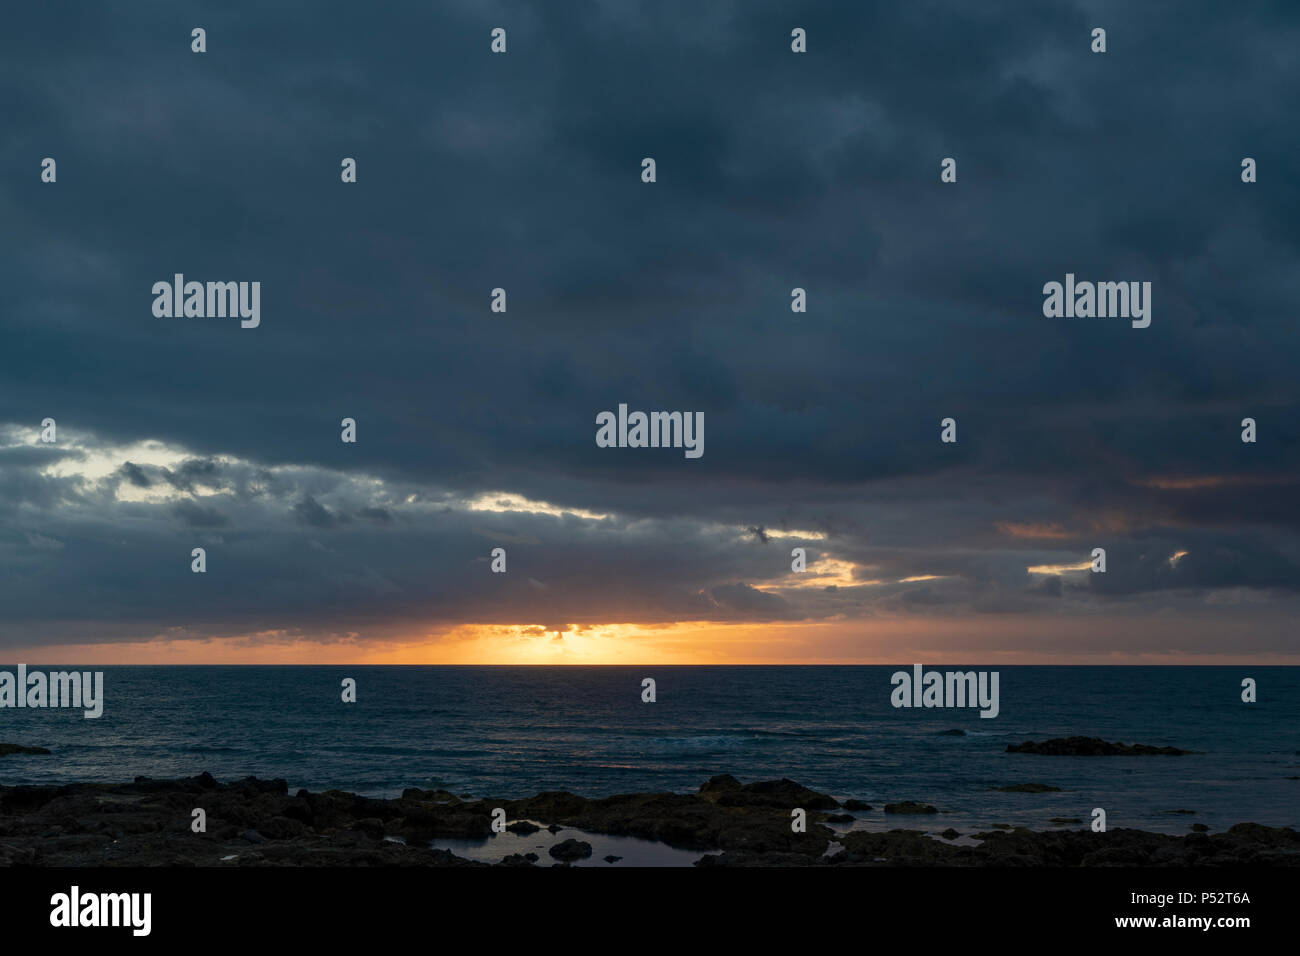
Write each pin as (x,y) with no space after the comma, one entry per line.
(995,639)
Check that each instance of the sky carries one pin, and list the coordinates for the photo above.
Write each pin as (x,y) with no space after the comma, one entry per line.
(476,429)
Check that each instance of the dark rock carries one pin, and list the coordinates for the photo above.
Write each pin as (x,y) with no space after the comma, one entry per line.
(516,859)
(1063,820)
(24,799)
(7,749)
(955,732)
(430,796)
(570,850)
(782,794)
(612,858)
(856,805)
(720,784)
(908,806)
(1028,788)
(950,834)
(865,848)
(1179,811)
(286,828)
(371,827)
(1200,828)
(548,805)
(424,822)
(555,828)
(522,827)
(1091,747)
(299,810)
(259,824)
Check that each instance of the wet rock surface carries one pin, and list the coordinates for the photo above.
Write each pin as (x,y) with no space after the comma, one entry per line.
(249,822)
(254,822)
(569,850)
(1092,747)
(7,749)
(909,806)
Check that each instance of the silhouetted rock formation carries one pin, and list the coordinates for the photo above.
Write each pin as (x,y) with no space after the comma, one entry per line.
(1091,747)
(255,822)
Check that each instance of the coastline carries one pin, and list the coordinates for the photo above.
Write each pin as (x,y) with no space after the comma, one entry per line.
(258,822)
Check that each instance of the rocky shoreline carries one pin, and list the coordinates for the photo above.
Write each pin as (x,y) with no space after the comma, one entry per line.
(254,822)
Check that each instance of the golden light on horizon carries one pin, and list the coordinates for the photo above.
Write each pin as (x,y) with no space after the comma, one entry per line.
(683,642)
(1058,568)
(1031,529)
(880,640)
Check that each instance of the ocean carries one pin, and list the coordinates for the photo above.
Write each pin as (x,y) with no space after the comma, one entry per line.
(513,731)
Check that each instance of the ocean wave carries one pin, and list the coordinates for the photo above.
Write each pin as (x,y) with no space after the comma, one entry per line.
(705,743)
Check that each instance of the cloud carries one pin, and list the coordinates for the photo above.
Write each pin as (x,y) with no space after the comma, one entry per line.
(310,512)
(196,515)
(475,429)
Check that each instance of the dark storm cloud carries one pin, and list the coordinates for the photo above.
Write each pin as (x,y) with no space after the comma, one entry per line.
(377,515)
(1211,560)
(135,474)
(522,171)
(310,512)
(741,597)
(195,515)
(191,471)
